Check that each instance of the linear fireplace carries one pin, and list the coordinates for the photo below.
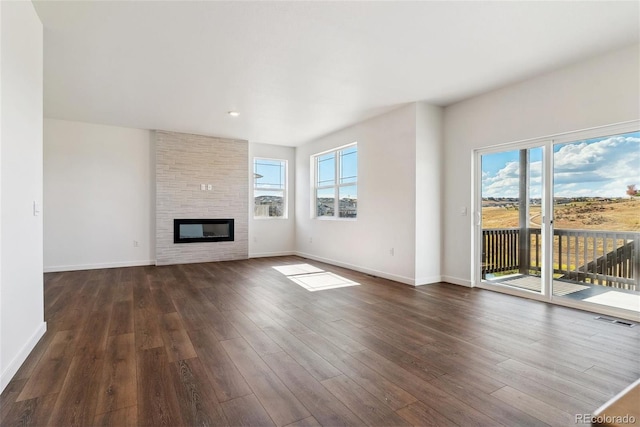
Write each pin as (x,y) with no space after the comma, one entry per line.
(202,230)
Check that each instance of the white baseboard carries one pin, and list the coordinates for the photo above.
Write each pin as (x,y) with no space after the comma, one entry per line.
(22,355)
(377,273)
(428,280)
(58,268)
(457,281)
(271,254)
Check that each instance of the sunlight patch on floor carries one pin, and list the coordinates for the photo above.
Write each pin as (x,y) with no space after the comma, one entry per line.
(321,281)
(295,269)
(312,278)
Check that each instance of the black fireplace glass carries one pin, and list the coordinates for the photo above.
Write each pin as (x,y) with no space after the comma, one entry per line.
(202,230)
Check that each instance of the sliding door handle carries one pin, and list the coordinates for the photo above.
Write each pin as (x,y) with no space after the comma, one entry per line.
(477,219)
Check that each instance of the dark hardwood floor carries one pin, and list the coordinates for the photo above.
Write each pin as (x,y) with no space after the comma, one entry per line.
(238,343)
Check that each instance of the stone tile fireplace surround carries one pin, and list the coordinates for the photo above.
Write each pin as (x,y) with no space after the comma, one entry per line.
(185,162)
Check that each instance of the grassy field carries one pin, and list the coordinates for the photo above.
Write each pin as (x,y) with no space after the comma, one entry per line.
(615,215)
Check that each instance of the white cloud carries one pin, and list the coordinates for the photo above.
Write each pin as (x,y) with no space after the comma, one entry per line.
(603,168)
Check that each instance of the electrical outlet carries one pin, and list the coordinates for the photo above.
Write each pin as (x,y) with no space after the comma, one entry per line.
(209,187)
(392,251)
(136,244)
(310,239)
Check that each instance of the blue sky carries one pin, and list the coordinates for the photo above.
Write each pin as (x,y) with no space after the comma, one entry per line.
(599,167)
(348,173)
(273,174)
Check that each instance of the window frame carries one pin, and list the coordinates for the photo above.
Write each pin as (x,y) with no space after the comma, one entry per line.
(284,190)
(336,186)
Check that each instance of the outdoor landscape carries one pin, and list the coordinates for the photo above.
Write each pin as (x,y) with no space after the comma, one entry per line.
(596,211)
(585,213)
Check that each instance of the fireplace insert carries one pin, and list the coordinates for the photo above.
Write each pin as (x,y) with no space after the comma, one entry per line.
(202,230)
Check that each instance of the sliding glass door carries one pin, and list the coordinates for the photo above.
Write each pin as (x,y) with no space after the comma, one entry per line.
(559,220)
(596,208)
(511,219)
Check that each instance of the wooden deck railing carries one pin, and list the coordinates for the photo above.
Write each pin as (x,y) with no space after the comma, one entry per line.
(599,257)
(500,247)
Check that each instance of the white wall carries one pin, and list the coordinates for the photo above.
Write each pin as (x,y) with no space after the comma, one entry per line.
(99,196)
(273,236)
(386,200)
(21,286)
(601,91)
(428,193)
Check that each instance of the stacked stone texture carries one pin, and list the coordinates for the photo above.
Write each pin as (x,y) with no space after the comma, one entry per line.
(183,163)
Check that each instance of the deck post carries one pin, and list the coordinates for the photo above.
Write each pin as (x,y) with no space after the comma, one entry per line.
(524,241)
(635,262)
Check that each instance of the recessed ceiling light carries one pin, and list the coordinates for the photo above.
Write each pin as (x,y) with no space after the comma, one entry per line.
(234,113)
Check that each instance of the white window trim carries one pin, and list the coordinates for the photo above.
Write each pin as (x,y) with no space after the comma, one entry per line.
(336,186)
(285,190)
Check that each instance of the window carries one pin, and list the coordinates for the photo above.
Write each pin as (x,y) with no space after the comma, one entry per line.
(269,189)
(336,178)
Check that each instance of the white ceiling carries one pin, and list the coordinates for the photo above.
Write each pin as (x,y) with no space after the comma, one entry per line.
(298,70)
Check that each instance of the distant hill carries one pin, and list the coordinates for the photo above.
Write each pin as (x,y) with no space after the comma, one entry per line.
(586,213)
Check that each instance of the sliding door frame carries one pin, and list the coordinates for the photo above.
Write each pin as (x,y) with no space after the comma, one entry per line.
(547,144)
(477,281)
